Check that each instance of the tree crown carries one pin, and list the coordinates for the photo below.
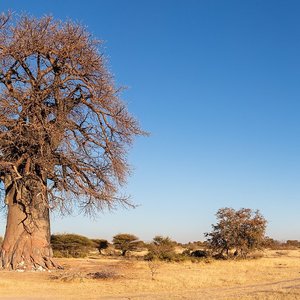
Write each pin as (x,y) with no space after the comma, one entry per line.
(126,241)
(62,122)
(242,230)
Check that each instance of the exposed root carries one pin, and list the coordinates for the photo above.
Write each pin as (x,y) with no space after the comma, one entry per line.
(22,258)
(22,265)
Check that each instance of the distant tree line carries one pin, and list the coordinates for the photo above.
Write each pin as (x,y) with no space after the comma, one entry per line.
(279,245)
(237,234)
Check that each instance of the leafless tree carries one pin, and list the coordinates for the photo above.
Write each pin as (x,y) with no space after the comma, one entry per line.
(154,265)
(64,132)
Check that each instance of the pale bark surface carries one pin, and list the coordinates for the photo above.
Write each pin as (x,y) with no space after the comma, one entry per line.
(64,132)
(26,245)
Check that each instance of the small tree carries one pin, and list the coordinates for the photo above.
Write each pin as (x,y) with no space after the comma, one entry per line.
(154,265)
(162,248)
(242,230)
(100,244)
(126,242)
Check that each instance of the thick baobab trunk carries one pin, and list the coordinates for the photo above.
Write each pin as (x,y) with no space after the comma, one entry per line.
(26,245)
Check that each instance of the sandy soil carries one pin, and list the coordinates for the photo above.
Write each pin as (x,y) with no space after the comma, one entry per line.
(275,276)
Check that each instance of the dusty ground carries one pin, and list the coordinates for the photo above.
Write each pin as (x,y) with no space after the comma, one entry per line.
(275,276)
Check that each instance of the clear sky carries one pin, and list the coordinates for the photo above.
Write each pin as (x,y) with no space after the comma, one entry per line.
(217,83)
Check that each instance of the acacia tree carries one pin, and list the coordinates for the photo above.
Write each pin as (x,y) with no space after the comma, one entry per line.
(64,132)
(240,230)
(126,242)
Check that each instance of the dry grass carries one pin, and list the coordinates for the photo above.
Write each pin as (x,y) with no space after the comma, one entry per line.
(275,276)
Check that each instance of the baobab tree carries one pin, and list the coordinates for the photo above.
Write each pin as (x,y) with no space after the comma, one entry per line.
(64,132)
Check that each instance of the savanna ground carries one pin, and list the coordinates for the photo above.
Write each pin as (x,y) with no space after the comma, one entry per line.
(274,276)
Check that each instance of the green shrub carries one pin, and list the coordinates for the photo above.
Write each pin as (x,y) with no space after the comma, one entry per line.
(168,257)
(71,245)
(162,248)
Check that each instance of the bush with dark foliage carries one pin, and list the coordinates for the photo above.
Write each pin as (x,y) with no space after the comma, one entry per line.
(100,244)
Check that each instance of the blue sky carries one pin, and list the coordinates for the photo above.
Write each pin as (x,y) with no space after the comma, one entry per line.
(217,85)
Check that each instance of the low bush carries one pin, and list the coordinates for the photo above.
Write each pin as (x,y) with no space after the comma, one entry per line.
(199,253)
(163,248)
(197,256)
(71,245)
(169,257)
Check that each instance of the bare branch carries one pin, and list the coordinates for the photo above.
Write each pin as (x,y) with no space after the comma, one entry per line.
(61,119)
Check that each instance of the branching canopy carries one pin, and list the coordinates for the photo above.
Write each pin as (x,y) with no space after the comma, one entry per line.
(61,120)
(242,230)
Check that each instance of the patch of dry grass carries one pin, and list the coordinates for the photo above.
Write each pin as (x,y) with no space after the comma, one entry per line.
(275,276)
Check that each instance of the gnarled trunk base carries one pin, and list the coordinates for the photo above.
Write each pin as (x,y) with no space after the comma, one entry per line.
(26,245)
(28,252)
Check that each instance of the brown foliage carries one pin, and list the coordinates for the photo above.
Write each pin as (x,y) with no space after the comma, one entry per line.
(61,118)
(242,230)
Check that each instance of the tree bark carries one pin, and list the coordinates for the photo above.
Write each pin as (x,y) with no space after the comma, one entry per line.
(26,245)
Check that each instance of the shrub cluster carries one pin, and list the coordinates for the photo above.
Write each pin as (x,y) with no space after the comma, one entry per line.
(278,245)
(238,233)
